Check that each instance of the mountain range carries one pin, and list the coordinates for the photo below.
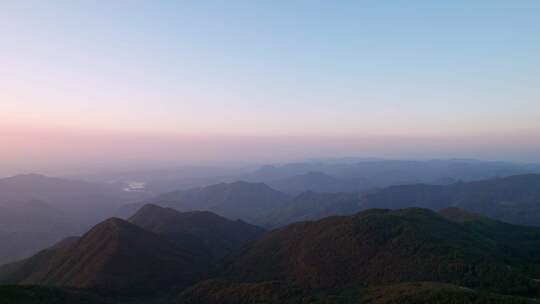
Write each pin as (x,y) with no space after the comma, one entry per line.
(166,247)
(377,254)
(513,199)
(381,251)
(463,241)
(250,202)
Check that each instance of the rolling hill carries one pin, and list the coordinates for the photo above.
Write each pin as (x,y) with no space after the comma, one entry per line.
(377,247)
(116,257)
(200,232)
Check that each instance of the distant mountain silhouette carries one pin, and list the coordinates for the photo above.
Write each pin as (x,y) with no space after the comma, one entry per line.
(382,173)
(200,232)
(513,199)
(36,211)
(377,247)
(313,206)
(250,202)
(318,182)
(115,256)
(87,201)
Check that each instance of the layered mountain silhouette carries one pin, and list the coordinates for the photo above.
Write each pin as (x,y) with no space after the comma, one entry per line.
(36,211)
(383,173)
(460,243)
(76,197)
(200,232)
(318,182)
(513,199)
(250,202)
(375,256)
(114,256)
(313,206)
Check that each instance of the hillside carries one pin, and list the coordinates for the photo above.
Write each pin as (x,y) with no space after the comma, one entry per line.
(114,256)
(48,295)
(514,199)
(226,292)
(200,232)
(36,211)
(518,244)
(313,206)
(378,247)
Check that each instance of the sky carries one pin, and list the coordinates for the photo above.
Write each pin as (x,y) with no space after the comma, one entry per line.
(88,82)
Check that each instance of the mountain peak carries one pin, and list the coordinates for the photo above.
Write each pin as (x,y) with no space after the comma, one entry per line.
(201,232)
(116,256)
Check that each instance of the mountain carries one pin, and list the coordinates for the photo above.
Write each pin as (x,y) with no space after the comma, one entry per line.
(313,206)
(377,247)
(250,202)
(513,199)
(84,200)
(36,211)
(18,271)
(200,232)
(383,173)
(375,256)
(518,244)
(115,256)
(318,182)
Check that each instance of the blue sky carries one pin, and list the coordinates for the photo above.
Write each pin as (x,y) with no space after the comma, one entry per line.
(273,68)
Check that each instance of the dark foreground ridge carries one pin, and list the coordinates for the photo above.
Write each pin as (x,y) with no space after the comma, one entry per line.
(115,256)
(376,256)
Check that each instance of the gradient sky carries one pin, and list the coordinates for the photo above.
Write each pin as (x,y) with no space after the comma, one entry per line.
(435,71)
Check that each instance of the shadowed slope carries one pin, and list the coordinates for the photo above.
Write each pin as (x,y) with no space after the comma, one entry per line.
(378,247)
(201,232)
(313,206)
(117,256)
